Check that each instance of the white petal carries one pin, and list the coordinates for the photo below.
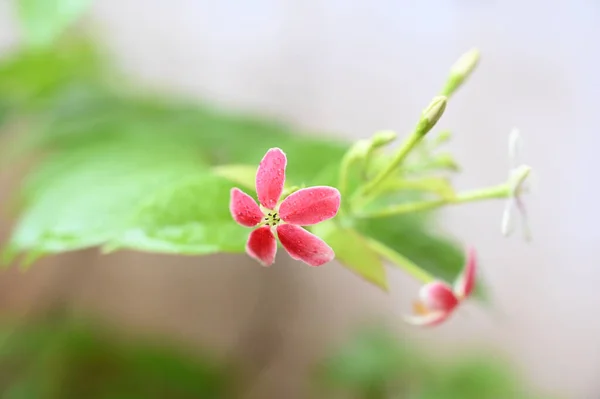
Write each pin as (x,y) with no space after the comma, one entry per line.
(508,224)
(428,320)
(524,219)
(515,145)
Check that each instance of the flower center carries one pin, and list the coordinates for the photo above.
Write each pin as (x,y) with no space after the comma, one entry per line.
(272,219)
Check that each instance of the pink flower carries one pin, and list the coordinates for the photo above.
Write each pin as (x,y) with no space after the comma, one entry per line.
(437,300)
(304,207)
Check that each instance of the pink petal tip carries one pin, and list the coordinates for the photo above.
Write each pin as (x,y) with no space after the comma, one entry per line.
(244,209)
(303,245)
(438,296)
(466,282)
(262,245)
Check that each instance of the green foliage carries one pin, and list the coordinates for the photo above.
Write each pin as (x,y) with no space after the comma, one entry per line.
(411,236)
(124,169)
(375,364)
(369,362)
(86,196)
(352,250)
(471,377)
(44,20)
(190,217)
(57,360)
(35,80)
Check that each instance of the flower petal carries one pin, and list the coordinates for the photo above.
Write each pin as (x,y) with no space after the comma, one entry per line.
(466,282)
(270,177)
(244,209)
(508,224)
(310,205)
(262,245)
(438,296)
(515,147)
(304,246)
(524,223)
(429,319)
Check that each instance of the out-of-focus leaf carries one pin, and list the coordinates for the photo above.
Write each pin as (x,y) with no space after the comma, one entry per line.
(372,358)
(31,81)
(408,240)
(44,20)
(83,198)
(377,363)
(411,236)
(243,175)
(54,360)
(400,261)
(188,217)
(472,378)
(353,252)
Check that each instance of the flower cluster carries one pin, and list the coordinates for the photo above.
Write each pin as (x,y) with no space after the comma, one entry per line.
(281,217)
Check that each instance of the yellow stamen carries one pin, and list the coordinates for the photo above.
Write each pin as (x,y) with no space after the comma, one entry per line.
(419,308)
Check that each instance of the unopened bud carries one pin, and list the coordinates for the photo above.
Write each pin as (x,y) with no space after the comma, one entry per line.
(461,70)
(431,115)
(383,138)
(358,151)
(445,161)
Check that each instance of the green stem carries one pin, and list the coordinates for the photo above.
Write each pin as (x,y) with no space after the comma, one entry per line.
(399,260)
(431,184)
(343,181)
(407,146)
(357,153)
(428,119)
(500,191)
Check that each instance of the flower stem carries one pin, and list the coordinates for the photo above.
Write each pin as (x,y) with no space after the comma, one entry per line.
(429,118)
(400,261)
(343,179)
(401,155)
(500,191)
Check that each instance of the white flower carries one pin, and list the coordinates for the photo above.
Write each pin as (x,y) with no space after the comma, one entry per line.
(517,180)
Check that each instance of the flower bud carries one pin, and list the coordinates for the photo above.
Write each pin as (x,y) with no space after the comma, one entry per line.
(431,115)
(358,151)
(383,138)
(460,71)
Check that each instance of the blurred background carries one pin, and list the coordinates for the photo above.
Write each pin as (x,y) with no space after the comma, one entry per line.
(347,68)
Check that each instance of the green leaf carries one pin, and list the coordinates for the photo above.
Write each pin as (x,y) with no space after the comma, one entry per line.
(190,216)
(84,197)
(474,377)
(408,241)
(412,237)
(44,20)
(77,359)
(353,252)
(400,261)
(244,175)
(373,357)
(35,80)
